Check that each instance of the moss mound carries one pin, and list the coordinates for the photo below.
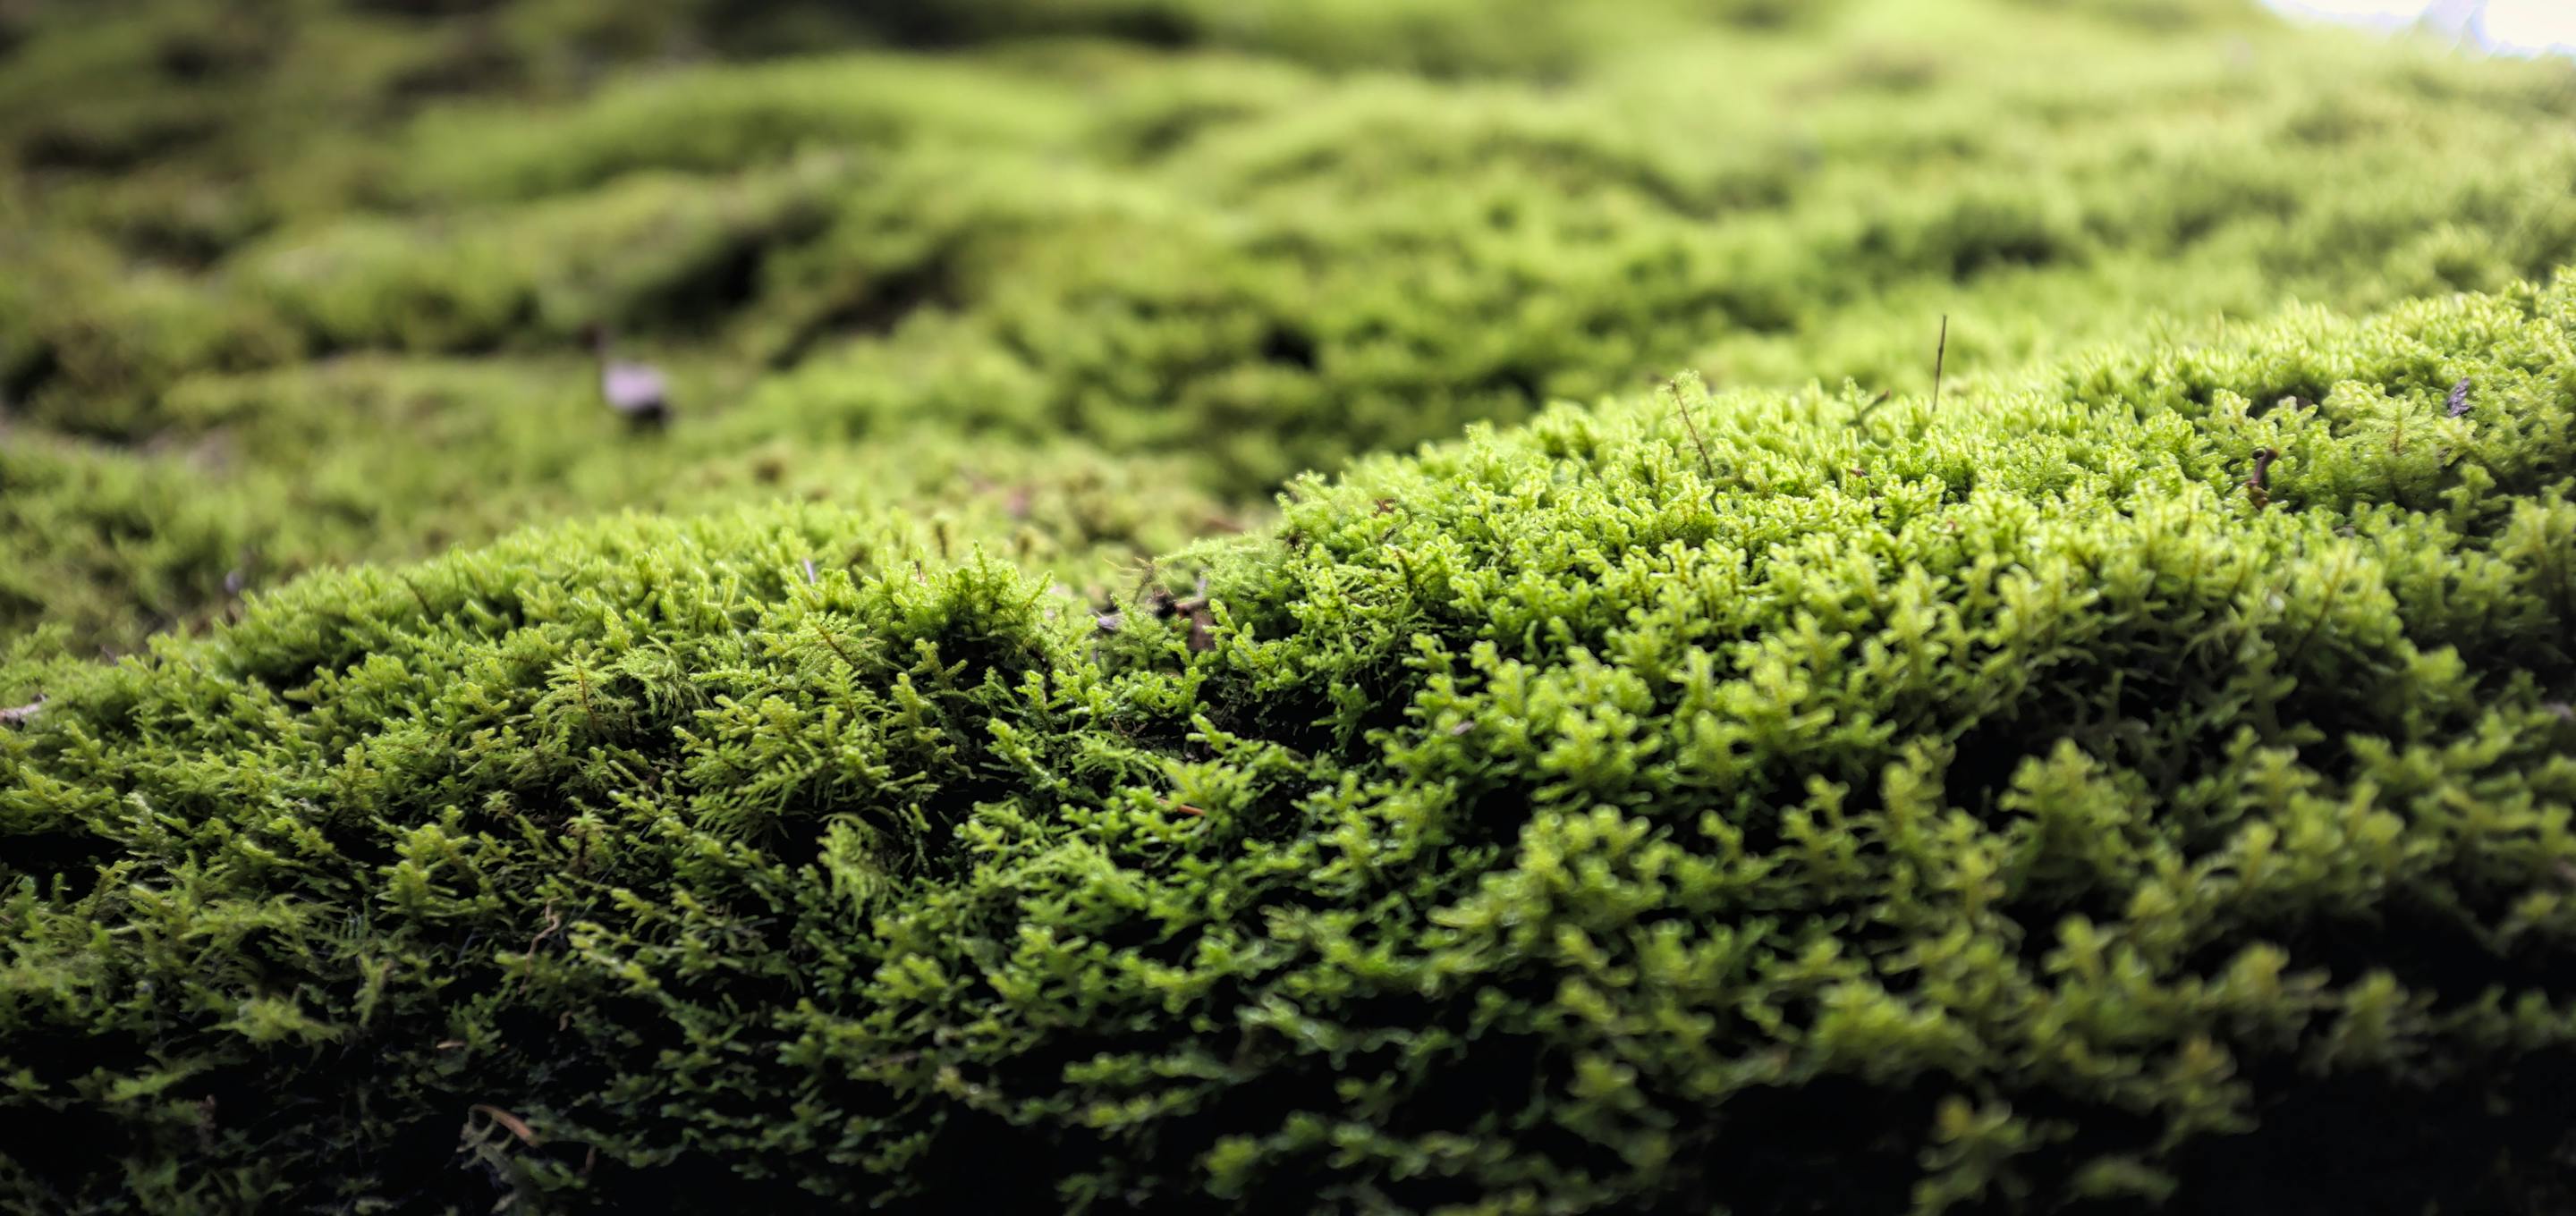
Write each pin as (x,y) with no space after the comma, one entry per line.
(1064,721)
(1761,801)
(1194,246)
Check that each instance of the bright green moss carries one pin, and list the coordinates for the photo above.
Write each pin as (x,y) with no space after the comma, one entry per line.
(1990,804)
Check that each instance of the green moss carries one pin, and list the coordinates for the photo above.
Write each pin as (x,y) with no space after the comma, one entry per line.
(94,542)
(1756,800)
(724,120)
(284,471)
(1233,259)
(1063,692)
(648,251)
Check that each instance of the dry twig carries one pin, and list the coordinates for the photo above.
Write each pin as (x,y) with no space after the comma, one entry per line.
(1707,463)
(515,1125)
(2259,486)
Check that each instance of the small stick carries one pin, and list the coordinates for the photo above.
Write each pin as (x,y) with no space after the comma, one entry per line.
(1707,463)
(414,588)
(809,571)
(517,1126)
(554,923)
(1861,419)
(18,715)
(1940,360)
(835,646)
(581,680)
(2259,486)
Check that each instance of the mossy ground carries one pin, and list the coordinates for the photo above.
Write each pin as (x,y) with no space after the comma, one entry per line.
(1363,607)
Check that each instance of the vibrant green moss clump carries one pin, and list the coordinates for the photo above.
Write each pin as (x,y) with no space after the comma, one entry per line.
(1762,801)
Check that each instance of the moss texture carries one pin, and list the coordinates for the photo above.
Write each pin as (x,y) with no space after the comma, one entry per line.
(969,758)
(1237,244)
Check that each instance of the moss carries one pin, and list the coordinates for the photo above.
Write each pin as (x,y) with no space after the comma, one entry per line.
(267,475)
(1226,256)
(95,542)
(1132,663)
(646,252)
(1697,800)
(1239,263)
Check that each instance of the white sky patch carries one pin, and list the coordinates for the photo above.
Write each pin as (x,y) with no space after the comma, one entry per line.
(2504,25)
(2532,24)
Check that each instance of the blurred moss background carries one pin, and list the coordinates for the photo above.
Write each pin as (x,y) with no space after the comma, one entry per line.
(297,283)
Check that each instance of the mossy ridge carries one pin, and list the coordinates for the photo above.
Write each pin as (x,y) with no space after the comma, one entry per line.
(1698,800)
(291,471)
(98,546)
(1303,262)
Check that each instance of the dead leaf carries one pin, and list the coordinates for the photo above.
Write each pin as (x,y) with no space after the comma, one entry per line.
(19,715)
(2459,403)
